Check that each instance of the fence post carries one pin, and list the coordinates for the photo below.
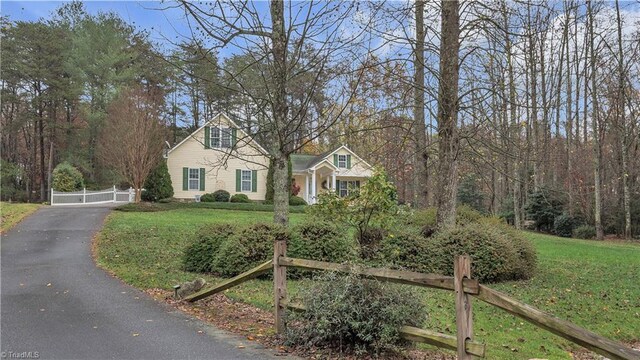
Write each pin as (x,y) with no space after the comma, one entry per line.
(115,199)
(464,315)
(279,283)
(84,195)
(130,194)
(51,200)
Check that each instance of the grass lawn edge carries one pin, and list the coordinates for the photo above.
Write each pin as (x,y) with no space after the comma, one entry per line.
(30,208)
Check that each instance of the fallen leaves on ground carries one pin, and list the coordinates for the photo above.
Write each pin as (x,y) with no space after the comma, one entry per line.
(258,325)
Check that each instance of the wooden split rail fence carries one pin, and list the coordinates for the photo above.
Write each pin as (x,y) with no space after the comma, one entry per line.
(461,283)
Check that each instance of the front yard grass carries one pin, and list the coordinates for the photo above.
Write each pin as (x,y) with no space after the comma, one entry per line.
(593,284)
(13,213)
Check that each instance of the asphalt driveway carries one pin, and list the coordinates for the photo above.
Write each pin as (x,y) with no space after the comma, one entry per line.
(56,304)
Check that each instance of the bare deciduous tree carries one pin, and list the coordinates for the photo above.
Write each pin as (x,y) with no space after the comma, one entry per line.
(448,114)
(133,137)
(297,40)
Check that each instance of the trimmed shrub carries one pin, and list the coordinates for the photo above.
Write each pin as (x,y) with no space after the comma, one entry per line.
(221,196)
(158,186)
(240,198)
(465,214)
(217,196)
(198,256)
(563,225)
(497,253)
(206,197)
(321,241)
(354,314)
(584,232)
(407,251)
(425,220)
(247,248)
(66,178)
(296,201)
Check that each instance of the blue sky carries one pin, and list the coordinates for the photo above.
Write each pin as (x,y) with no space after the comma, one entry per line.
(163,25)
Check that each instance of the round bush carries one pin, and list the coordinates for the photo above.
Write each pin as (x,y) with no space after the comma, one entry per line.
(296,201)
(465,214)
(497,254)
(247,248)
(425,219)
(407,251)
(158,186)
(355,314)
(584,232)
(207,197)
(198,257)
(66,178)
(563,225)
(240,198)
(321,241)
(221,196)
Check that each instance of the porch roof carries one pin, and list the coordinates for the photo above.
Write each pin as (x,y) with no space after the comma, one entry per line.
(302,162)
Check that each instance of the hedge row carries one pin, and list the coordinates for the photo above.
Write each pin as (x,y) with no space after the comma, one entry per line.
(162,206)
(227,250)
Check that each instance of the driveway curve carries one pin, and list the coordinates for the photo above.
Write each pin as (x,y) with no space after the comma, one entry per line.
(56,304)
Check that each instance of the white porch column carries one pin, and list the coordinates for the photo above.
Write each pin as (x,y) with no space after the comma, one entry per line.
(313,187)
(333,181)
(328,182)
(306,188)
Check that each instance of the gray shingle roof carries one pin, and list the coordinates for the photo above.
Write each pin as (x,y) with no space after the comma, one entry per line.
(300,162)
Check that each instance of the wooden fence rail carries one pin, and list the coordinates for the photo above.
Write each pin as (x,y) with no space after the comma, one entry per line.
(234,281)
(565,329)
(464,286)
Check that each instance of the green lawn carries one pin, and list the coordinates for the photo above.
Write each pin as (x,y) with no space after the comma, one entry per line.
(592,284)
(13,213)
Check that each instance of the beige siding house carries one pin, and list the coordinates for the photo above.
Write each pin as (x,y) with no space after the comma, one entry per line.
(340,170)
(219,155)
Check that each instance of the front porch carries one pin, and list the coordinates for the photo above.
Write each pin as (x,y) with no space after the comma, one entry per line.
(324,177)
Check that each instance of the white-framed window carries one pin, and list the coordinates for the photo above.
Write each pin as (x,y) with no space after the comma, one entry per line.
(194,179)
(342,161)
(220,137)
(246,181)
(347,187)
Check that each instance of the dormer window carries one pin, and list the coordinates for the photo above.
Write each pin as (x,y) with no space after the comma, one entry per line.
(220,137)
(342,161)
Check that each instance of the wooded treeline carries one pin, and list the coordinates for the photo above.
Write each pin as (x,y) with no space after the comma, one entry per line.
(545,103)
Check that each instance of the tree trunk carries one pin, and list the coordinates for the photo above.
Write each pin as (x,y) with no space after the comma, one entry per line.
(595,126)
(43,169)
(281,158)
(418,115)
(517,174)
(623,126)
(569,125)
(448,114)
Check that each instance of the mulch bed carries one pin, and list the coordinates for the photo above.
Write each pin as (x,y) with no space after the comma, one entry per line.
(258,325)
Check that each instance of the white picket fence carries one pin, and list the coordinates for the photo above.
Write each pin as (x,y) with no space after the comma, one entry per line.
(85,196)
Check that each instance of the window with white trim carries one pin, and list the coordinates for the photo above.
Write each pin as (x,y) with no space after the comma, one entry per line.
(194,179)
(220,137)
(245,179)
(342,161)
(347,187)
